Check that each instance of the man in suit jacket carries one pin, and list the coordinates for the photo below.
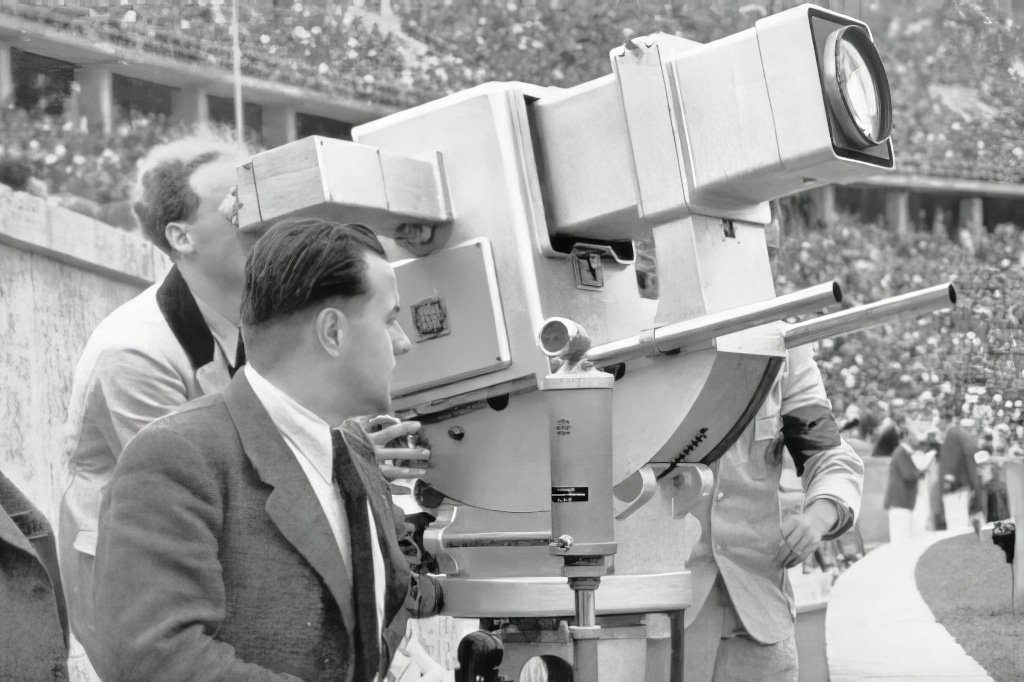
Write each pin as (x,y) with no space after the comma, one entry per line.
(242,537)
(33,640)
(175,341)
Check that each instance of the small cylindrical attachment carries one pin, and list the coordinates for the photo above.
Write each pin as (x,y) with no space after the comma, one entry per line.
(564,339)
(912,305)
(702,329)
(683,334)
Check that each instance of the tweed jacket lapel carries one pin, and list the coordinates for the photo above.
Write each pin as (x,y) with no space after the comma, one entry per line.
(292,506)
(12,535)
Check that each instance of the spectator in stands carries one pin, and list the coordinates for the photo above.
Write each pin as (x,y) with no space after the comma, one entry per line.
(958,471)
(17,174)
(175,341)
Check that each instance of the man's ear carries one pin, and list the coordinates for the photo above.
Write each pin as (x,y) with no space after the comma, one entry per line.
(330,326)
(179,237)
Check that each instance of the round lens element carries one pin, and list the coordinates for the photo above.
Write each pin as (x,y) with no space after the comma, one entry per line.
(856,87)
(860,90)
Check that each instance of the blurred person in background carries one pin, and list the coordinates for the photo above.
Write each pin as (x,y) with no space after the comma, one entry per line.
(886,437)
(933,480)
(1001,439)
(852,428)
(958,471)
(994,505)
(17,174)
(1014,448)
(902,490)
(926,459)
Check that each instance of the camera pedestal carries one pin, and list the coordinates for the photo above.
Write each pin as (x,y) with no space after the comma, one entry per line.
(628,648)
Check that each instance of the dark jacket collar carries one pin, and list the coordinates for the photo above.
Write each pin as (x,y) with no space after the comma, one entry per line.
(179,308)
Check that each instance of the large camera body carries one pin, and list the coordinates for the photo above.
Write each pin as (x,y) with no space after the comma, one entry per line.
(508,205)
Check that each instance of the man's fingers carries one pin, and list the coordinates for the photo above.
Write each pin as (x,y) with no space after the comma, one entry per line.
(380,422)
(393,432)
(803,549)
(797,542)
(794,561)
(412,454)
(799,536)
(783,553)
(393,472)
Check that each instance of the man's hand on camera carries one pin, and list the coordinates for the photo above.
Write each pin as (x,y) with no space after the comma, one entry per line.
(396,448)
(802,533)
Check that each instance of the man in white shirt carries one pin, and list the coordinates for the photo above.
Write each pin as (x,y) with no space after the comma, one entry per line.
(250,535)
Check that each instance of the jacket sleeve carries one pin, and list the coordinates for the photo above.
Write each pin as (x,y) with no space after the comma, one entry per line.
(973,480)
(830,468)
(135,389)
(159,591)
(905,465)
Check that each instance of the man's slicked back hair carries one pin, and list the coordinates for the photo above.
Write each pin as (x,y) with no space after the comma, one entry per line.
(163,192)
(302,261)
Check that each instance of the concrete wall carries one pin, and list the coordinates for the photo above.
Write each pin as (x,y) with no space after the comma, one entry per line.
(60,274)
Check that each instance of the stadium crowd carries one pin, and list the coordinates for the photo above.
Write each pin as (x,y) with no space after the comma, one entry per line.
(71,161)
(954,115)
(956,69)
(943,361)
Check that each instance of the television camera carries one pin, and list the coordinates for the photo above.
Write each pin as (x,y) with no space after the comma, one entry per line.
(573,397)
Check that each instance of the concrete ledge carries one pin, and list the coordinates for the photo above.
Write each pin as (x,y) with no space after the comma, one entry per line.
(31,224)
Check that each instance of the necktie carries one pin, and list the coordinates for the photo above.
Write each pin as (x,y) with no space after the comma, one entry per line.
(239,355)
(367,641)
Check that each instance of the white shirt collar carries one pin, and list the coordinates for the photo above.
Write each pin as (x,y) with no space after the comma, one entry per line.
(223,330)
(303,431)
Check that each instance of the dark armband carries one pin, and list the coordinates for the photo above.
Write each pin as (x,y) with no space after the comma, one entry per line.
(808,430)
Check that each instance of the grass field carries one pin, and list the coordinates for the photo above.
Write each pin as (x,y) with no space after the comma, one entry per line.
(966,584)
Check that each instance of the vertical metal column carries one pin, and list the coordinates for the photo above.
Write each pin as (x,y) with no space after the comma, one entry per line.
(582,512)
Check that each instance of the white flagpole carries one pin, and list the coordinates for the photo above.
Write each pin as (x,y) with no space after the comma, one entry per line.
(237,54)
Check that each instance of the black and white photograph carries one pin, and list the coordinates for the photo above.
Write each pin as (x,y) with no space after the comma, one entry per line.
(511,340)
